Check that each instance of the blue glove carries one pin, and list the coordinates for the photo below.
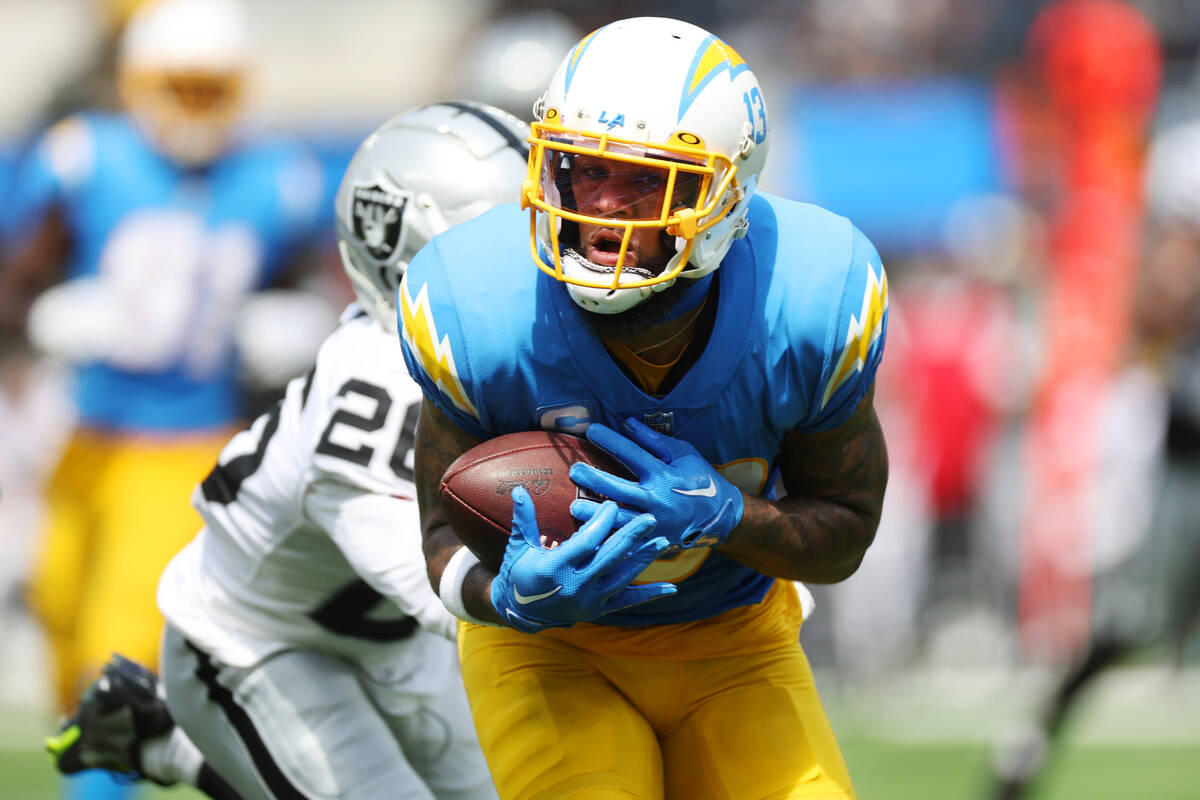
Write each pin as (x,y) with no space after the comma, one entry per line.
(583,578)
(693,505)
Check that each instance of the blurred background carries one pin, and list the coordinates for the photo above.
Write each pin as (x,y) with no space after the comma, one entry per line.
(1030,173)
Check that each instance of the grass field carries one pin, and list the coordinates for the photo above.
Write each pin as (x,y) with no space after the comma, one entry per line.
(922,737)
(881,770)
(892,771)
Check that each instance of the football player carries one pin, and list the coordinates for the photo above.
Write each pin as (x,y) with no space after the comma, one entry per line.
(719,341)
(306,654)
(161,221)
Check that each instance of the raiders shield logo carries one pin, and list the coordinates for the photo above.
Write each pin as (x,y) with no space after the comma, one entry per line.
(377,213)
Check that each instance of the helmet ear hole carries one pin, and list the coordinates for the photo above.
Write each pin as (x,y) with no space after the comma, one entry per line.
(746,145)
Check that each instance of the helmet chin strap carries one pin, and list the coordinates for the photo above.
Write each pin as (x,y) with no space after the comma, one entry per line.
(604,301)
(607,301)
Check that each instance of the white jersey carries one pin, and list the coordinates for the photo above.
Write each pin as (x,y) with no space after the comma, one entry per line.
(311,526)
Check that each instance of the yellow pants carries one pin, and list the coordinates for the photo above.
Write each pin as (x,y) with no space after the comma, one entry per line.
(118,509)
(723,708)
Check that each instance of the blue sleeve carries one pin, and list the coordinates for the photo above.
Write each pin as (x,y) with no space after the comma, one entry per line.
(432,340)
(855,341)
(297,191)
(36,184)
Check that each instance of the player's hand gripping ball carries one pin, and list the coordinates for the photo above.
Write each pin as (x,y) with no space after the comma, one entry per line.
(589,575)
(694,506)
(476,490)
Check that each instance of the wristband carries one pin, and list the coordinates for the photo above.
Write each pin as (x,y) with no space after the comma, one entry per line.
(451,586)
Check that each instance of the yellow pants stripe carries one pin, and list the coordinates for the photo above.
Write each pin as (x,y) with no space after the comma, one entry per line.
(117,510)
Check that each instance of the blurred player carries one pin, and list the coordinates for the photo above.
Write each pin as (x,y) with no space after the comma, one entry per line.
(161,222)
(283,660)
(1147,553)
(733,338)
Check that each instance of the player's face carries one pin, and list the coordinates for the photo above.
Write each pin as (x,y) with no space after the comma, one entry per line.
(189,115)
(617,190)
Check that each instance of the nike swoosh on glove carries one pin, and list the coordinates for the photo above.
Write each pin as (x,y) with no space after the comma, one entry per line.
(693,505)
(583,578)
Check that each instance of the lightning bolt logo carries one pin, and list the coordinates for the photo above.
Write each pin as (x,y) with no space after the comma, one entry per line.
(434,355)
(576,55)
(712,58)
(863,331)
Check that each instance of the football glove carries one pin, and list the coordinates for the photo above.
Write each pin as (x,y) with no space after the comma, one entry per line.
(583,578)
(692,504)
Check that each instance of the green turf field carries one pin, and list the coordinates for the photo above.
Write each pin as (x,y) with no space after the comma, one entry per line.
(882,771)
(27,775)
(917,737)
(891,771)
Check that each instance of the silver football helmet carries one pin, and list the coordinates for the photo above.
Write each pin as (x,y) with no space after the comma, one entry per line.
(420,173)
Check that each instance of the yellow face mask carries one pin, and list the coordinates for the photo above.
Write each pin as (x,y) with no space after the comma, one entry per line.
(620,197)
(189,115)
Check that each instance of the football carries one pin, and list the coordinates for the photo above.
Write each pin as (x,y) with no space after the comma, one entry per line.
(476,490)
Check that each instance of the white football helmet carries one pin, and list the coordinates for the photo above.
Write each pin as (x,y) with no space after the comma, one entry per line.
(181,72)
(648,124)
(417,175)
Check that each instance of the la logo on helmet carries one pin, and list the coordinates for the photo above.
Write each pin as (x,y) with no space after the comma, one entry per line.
(619,119)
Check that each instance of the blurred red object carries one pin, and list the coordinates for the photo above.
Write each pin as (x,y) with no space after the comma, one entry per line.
(1101,64)
(1097,56)
(950,369)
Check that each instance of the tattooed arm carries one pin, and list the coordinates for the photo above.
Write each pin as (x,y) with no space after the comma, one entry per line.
(820,531)
(439,442)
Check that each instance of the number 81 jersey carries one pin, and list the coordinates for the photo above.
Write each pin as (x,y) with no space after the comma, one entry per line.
(310,520)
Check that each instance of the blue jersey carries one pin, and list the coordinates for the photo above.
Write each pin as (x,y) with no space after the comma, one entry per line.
(190,243)
(799,331)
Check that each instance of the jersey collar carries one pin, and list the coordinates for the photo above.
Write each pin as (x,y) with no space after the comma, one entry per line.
(705,379)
